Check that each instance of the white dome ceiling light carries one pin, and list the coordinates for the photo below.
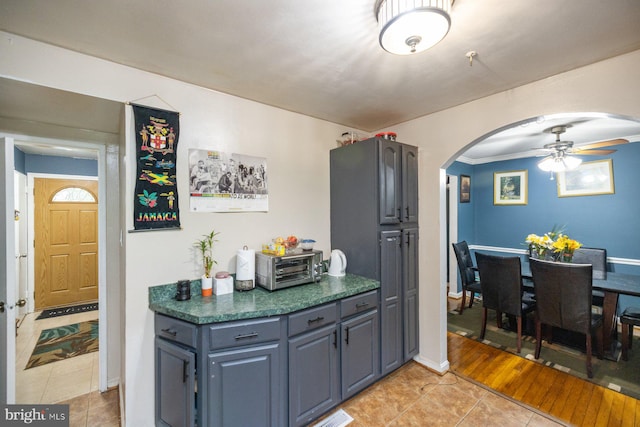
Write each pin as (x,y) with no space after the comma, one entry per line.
(412,26)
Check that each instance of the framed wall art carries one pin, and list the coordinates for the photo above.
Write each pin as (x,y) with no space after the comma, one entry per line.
(227,182)
(588,179)
(510,188)
(465,188)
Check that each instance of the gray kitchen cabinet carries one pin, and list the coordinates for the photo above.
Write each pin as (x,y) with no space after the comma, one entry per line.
(398,180)
(410,292)
(359,352)
(175,372)
(244,385)
(237,364)
(245,370)
(374,221)
(314,383)
(391,319)
(268,371)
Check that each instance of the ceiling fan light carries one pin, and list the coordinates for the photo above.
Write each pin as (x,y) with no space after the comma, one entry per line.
(412,26)
(547,164)
(559,163)
(571,162)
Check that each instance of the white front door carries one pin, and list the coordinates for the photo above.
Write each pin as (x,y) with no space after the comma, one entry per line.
(8,274)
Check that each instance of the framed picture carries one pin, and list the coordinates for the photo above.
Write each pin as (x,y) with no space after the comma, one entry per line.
(465,188)
(588,179)
(510,188)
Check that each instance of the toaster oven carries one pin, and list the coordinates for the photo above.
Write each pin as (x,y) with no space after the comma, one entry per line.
(282,271)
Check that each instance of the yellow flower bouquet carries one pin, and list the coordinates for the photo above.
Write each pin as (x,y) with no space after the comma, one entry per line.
(565,246)
(552,245)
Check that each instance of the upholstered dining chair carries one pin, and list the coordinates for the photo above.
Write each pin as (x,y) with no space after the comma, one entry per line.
(467,273)
(598,259)
(501,282)
(563,300)
(630,317)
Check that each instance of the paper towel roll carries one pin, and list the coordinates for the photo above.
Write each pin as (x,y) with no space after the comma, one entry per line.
(246,264)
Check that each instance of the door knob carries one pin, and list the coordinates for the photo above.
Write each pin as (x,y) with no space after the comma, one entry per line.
(21,302)
(1,306)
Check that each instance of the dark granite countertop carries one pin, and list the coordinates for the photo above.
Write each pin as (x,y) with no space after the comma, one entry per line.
(255,303)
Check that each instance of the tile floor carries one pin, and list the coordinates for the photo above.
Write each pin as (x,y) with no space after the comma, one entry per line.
(411,396)
(416,396)
(73,381)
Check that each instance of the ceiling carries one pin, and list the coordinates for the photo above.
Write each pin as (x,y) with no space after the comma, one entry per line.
(321,58)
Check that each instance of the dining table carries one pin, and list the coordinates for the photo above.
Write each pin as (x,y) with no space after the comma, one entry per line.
(612,286)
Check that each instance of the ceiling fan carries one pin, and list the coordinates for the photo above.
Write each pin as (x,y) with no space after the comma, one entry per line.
(559,160)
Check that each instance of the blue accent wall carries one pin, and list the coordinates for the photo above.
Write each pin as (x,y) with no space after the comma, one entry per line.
(19,161)
(606,221)
(466,218)
(59,165)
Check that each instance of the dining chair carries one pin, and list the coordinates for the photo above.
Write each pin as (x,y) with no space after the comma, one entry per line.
(630,317)
(597,257)
(563,300)
(501,282)
(467,273)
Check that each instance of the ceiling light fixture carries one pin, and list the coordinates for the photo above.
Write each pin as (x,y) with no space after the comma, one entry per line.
(412,26)
(559,162)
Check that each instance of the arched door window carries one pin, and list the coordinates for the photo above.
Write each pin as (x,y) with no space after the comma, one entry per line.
(73,194)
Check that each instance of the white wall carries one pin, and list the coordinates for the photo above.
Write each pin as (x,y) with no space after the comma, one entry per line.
(296,148)
(610,86)
(297,151)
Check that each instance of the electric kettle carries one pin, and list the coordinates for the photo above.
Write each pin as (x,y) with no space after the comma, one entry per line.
(337,263)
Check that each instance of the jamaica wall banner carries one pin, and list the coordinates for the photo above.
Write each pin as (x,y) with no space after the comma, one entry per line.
(156,194)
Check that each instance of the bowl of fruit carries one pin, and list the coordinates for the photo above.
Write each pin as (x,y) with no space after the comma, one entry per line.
(290,243)
(307,244)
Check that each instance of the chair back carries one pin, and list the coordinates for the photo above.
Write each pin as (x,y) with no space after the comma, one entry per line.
(501,281)
(563,294)
(596,257)
(465,262)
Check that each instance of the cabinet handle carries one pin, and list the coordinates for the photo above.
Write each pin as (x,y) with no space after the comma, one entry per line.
(407,217)
(168,331)
(317,319)
(185,371)
(245,336)
(361,305)
(346,339)
(335,338)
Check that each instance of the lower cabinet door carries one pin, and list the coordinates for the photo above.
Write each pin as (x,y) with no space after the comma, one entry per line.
(360,352)
(175,385)
(313,374)
(244,385)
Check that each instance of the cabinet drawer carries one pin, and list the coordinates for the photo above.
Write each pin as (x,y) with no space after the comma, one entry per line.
(358,303)
(176,330)
(241,333)
(312,318)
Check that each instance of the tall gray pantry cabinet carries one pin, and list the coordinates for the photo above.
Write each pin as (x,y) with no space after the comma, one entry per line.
(374,221)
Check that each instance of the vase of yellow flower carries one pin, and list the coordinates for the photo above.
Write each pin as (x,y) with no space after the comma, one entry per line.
(554,246)
(565,247)
(539,246)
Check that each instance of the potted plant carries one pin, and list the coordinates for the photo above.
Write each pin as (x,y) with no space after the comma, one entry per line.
(205,246)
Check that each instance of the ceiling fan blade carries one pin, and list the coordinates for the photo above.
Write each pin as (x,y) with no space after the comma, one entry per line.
(600,144)
(581,152)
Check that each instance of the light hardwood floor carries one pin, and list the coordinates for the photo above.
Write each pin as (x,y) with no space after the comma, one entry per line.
(549,390)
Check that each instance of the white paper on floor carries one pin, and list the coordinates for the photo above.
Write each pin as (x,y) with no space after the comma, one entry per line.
(338,419)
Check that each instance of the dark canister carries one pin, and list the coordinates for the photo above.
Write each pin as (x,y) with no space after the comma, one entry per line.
(183,291)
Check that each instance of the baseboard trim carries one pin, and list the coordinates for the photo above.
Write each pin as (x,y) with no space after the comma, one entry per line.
(439,368)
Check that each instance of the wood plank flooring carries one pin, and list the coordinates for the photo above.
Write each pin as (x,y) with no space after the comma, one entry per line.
(549,390)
